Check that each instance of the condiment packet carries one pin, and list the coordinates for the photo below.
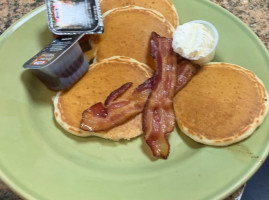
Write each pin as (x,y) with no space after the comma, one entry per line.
(60,64)
(66,17)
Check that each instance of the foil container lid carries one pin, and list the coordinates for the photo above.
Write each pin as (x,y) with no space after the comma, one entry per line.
(67,17)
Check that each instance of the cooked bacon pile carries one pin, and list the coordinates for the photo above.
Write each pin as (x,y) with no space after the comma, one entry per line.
(154,98)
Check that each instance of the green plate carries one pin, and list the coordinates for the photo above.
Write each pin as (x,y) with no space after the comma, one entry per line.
(41,161)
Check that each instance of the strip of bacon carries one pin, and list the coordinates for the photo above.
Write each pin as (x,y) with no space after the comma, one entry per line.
(101,117)
(116,94)
(158,114)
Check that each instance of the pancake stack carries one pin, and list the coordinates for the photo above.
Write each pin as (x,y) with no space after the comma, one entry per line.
(101,79)
(221,105)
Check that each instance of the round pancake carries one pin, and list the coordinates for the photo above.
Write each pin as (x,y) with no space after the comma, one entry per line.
(221,105)
(128,31)
(165,7)
(101,79)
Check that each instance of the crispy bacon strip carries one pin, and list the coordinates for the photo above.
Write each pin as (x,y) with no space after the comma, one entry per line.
(115,94)
(172,74)
(158,114)
(101,117)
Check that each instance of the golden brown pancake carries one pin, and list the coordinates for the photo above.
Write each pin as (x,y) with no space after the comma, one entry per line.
(128,31)
(101,79)
(165,7)
(221,105)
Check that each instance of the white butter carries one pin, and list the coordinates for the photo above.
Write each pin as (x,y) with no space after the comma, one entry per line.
(194,41)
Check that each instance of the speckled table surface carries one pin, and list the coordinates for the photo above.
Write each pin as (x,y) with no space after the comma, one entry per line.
(254,13)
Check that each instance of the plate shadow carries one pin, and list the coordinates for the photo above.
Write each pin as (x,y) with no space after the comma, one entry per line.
(37,91)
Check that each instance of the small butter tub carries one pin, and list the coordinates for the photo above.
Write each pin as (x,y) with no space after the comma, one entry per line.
(60,64)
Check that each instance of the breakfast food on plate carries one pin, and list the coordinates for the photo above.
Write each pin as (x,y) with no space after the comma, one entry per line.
(158,115)
(120,97)
(153,98)
(196,41)
(113,112)
(172,73)
(221,105)
(165,7)
(102,78)
(127,33)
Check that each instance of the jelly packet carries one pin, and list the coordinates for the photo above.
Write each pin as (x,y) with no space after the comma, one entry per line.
(66,17)
(60,64)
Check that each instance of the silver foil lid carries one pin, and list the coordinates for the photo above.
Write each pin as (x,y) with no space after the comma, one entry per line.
(67,17)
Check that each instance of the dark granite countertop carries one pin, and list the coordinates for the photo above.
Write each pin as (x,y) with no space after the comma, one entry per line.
(254,13)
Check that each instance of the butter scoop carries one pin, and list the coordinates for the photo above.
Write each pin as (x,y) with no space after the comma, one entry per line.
(196,41)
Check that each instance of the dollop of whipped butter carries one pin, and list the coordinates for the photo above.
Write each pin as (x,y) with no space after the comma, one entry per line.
(193,41)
